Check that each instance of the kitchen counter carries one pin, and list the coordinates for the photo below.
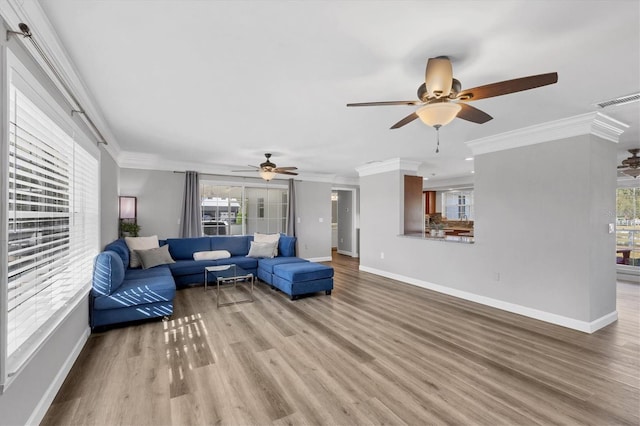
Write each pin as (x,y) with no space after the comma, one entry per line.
(446,239)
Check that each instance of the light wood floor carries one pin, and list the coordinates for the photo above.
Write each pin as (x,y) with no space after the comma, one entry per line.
(375,352)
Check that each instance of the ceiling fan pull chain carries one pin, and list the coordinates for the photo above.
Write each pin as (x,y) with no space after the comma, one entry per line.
(437,138)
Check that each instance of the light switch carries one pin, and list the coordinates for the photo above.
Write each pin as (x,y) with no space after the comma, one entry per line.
(612,228)
(320,220)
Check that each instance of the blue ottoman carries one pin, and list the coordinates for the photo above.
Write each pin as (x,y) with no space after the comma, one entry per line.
(266,265)
(296,279)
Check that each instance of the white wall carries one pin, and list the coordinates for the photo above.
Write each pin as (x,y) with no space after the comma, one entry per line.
(541,240)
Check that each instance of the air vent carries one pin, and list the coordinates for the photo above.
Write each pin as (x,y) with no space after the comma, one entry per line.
(635,97)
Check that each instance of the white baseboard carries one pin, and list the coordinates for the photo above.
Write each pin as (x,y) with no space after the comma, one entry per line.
(584,326)
(347,253)
(41,409)
(320,259)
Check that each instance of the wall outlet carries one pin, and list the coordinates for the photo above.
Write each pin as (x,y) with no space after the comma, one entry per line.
(381,255)
(612,228)
(320,219)
(496,276)
(298,219)
(342,240)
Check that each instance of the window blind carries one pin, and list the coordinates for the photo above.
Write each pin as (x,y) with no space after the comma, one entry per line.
(53,225)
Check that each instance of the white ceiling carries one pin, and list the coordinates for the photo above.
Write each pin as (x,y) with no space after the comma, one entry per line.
(212,85)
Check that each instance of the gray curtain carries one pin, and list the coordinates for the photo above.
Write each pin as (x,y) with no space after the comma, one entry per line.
(191,219)
(291,212)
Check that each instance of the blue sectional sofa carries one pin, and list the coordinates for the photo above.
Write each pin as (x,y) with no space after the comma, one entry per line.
(122,294)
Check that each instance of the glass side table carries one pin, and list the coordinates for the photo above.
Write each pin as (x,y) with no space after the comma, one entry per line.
(228,273)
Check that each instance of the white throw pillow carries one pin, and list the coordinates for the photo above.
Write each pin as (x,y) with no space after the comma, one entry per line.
(268,238)
(139,243)
(211,255)
(261,249)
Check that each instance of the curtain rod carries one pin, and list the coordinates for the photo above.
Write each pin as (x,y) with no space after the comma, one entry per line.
(26,33)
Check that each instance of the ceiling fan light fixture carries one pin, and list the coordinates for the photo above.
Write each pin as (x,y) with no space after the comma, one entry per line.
(267,175)
(439,77)
(634,173)
(438,114)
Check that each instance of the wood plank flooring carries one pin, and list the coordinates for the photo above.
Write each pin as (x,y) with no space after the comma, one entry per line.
(375,352)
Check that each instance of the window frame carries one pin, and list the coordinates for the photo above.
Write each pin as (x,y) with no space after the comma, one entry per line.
(12,69)
(243,208)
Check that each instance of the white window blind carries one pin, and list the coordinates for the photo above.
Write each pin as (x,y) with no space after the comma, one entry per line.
(53,223)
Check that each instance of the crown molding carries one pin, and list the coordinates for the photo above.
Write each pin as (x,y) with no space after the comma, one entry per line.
(388,166)
(592,123)
(139,160)
(30,12)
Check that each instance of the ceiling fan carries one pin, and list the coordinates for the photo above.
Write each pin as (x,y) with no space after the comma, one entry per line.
(268,170)
(631,164)
(441,98)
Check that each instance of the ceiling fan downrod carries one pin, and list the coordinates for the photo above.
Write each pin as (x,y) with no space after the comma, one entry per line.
(437,127)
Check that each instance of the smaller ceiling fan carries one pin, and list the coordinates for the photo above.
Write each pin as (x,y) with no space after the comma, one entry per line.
(631,164)
(268,170)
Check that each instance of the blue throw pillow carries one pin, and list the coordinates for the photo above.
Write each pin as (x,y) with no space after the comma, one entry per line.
(287,246)
(108,273)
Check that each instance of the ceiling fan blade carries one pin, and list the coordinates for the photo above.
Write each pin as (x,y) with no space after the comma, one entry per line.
(408,119)
(384,103)
(286,168)
(508,86)
(284,172)
(253,170)
(473,114)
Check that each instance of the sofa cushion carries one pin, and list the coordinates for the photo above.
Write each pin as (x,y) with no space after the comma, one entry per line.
(259,250)
(298,272)
(189,267)
(108,273)
(121,248)
(211,255)
(154,257)
(268,264)
(158,271)
(139,291)
(247,263)
(183,248)
(287,246)
(237,245)
(139,243)
(267,238)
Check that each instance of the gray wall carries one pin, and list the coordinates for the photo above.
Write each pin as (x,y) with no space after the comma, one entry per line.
(541,234)
(313,210)
(159,195)
(109,182)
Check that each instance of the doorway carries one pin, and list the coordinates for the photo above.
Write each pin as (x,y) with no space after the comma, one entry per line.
(344,227)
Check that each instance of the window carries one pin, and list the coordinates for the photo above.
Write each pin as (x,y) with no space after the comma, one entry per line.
(241,210)
(458,205)
(52,219)
(628,226)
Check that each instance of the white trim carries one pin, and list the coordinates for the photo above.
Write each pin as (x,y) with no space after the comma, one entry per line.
(319,259)
(388,166)
(347,253)
(584,326)
(144,161)
(45,402)
(592,123)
